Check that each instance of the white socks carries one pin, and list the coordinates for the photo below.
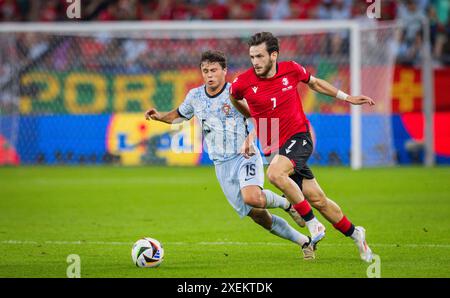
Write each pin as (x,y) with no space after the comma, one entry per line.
(282,229)
(355,236)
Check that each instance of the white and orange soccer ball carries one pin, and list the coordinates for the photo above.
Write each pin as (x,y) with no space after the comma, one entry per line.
(147,252)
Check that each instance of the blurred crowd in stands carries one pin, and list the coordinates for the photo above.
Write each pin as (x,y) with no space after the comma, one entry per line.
(410,12)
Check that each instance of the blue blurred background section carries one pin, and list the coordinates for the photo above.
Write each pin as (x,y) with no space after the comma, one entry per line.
(83,139)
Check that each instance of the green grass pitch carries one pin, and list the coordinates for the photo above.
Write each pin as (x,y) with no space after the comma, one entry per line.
(48,213)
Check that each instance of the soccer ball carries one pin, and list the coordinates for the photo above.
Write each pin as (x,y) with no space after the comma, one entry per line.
(147,252)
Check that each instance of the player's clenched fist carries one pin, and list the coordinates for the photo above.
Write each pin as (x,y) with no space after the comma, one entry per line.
(248,149)
(152,114)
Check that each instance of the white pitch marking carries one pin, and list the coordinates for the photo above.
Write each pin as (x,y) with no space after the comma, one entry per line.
(217,243)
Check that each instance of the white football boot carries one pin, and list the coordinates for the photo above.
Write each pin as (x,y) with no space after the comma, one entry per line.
(359,237)
(308,250)
(317,230)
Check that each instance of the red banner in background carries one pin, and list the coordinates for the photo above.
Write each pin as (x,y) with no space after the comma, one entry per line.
(8,154)
(413,123)
(407,90)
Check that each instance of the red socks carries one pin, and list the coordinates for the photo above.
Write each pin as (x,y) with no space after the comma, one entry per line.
(345,226)
(304,209)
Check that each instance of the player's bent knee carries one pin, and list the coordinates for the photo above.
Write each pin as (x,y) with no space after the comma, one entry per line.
(254,199)
(253,196)
(275,177)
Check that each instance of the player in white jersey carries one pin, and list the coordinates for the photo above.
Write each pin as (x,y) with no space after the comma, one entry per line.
(225,131)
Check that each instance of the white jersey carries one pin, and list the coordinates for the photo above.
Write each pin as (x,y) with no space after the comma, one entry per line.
(224,128)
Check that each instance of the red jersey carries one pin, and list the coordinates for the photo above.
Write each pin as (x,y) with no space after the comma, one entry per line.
(274,103)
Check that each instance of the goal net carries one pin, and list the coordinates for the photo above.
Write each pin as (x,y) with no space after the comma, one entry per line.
(75,93)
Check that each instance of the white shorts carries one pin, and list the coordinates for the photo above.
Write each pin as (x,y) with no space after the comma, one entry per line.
(237,173)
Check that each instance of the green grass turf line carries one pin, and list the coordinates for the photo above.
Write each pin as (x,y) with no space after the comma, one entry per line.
(406,212)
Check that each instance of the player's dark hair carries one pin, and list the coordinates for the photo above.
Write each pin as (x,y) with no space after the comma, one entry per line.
(214,56)
(271,41)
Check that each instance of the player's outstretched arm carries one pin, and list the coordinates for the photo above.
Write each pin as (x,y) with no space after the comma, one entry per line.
(326,88)
(241,106)
(168,117)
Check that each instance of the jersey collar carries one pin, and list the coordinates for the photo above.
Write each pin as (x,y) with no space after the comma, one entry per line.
(220,92)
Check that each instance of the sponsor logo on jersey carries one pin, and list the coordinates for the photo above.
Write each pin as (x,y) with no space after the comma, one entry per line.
(285,82)
(286,89)
(255,89)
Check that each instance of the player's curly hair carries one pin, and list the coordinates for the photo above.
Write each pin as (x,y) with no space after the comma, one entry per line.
(214,56)
(271,41)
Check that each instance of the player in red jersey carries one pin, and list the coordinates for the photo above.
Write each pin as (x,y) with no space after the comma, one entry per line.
(272,100)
